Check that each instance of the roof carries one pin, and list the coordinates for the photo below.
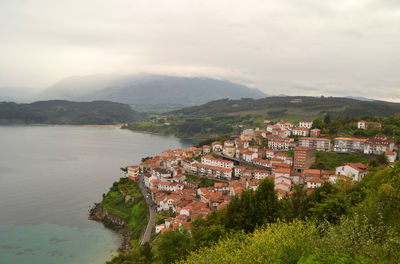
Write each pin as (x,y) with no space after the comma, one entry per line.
(315,179)
(281,170)
(361,167)
(351,139)
(311,138)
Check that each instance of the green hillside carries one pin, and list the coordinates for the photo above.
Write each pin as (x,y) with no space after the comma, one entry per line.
(230,116)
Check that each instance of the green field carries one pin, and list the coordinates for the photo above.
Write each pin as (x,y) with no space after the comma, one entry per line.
(331,160)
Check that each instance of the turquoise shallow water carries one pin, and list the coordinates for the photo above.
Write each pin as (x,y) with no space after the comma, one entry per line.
(49,176)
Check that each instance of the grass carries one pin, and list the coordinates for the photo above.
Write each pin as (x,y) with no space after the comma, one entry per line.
(331,160)
(160,217)
(204,182)
(134,212)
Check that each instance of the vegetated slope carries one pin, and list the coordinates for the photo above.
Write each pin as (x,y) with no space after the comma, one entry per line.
(231,116)
(66,112)
(148,91)
(292,107)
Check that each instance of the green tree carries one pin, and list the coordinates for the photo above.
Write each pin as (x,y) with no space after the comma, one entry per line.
(174,245)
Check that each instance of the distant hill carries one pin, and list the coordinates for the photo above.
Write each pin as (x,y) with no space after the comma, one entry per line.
(147,91)
(66,112)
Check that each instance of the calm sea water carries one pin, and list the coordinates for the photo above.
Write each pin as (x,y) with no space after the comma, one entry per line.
(49,176)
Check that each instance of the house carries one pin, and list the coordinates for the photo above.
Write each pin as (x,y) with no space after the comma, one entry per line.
(285,158)
(391,156)
(247,135)
(261,174)
(378,145)
(354,170)
(349,145)
(283,125)
(238,170)
(314,182)
(281,172)
(320,144)
(216,146)
(206,149)
(188,165)
(304,157)
(300,131)
(229,151)
(262,162)
(306,124)
(133,172)
(316,132)
(362,124)
(248,156)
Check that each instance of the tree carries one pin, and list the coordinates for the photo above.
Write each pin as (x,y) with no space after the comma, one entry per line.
(327,119)
(318,123)
(174,245)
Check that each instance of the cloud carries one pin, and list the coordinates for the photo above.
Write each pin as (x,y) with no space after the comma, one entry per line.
(332,47)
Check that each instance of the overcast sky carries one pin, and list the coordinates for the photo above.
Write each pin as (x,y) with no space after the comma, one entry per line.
(307,47)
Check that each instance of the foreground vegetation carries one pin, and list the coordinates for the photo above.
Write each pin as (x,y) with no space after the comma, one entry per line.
(134,211)
(337,223)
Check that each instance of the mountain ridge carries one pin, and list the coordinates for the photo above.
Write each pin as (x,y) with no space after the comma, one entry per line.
(144,90)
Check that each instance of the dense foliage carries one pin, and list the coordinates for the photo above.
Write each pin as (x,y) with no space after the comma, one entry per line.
(67,113)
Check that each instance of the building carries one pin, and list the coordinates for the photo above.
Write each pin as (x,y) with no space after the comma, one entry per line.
(320,144)
(314,182)
(133,172)
(278,143)
(216,146)
(206,149)
(306,124)
(378,145)
(316,132)
(356,171)
(391,156)
(349,145)
(304,157)
(209,160)
(300,131)
(362,124)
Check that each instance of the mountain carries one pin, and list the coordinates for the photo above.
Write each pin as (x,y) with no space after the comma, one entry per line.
(66,112)
(147,91)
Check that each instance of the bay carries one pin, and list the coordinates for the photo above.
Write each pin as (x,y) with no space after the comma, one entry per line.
(50,175)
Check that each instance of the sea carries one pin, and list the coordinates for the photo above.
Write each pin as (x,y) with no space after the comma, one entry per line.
(50,176)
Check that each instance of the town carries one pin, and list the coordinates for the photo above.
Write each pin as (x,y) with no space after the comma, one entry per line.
(282,151)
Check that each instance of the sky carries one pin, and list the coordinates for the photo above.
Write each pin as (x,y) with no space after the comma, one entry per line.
(307,47)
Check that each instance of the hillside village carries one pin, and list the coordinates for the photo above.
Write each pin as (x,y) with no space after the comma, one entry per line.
(283,151)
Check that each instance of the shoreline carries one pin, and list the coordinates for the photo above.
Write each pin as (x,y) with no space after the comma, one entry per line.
(120,228)
(162,134)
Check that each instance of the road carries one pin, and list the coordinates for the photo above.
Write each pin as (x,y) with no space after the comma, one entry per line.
(152,211)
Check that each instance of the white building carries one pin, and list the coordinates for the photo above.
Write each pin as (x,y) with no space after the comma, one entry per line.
(356,171)
(306,124)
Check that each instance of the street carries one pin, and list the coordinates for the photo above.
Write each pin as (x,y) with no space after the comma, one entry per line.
(152,210)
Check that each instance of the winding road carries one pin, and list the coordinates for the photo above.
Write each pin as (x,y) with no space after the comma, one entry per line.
(152,210)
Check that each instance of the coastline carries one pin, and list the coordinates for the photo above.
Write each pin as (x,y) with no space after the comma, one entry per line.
(113,223)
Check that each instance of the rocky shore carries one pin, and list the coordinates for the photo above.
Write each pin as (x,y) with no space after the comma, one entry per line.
(116,223)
